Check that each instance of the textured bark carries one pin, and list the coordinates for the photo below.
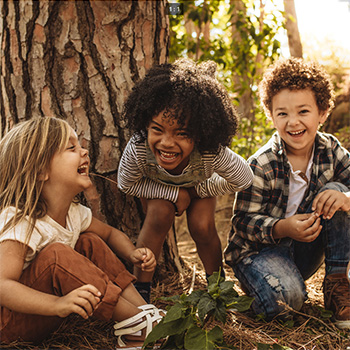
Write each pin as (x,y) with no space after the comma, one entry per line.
(294,42)
(78,60)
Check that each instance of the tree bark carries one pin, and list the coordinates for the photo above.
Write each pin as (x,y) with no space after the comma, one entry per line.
(294,42)
(78,60)
(246,103)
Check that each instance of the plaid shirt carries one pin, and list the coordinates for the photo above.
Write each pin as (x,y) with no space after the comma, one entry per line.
(261,205)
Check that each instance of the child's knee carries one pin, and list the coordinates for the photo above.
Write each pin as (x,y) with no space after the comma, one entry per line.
(88,241)
(279,296)
(47,260)
(203,232)
(337,186)
(51,252)
(161,211)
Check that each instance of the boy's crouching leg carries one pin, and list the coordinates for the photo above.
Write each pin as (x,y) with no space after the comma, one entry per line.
(274,282)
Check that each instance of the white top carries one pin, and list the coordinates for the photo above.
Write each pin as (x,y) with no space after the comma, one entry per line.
(47,230)
(298,184)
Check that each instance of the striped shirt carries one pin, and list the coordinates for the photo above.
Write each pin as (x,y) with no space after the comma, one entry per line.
(260,206)
(225,172)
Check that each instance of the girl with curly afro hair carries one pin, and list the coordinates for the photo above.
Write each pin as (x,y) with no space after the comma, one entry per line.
(178,158)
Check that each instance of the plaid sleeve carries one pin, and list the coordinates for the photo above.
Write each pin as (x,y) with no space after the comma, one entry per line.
(252,220)
(342,163)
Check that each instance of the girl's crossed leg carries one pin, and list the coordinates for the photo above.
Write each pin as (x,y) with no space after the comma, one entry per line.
(58,270)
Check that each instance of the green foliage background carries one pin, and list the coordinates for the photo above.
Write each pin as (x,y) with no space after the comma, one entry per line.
(244,40)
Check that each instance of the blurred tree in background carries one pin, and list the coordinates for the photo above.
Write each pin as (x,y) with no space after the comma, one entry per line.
(244,37)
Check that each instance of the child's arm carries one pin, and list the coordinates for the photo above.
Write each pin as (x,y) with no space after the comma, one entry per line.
(231,174)
(18,297)
(122,246)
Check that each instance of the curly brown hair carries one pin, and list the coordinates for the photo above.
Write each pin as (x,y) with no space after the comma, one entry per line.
(185,91)
(296,74)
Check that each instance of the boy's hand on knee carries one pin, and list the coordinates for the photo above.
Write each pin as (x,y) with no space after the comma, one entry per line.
(144,259)
(328,202)
(81,301)
(300,227)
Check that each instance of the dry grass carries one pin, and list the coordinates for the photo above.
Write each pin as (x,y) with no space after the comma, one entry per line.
(241,331)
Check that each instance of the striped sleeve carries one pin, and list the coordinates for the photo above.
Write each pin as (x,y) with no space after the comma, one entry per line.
(227,171)
(131,178)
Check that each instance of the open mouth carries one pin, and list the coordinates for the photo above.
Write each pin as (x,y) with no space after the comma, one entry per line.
(167,156)
(297,133)
(83,169)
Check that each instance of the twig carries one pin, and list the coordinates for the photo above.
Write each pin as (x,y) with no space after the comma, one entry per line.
(309,342)
(104,177)
(193,279)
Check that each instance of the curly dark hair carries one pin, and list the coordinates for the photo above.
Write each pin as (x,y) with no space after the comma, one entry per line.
(296,74)
(185,91)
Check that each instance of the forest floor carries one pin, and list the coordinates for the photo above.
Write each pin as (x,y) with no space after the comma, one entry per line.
(244,331)
(312,328)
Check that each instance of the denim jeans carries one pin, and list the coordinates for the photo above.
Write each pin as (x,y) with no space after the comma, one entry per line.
(275,276)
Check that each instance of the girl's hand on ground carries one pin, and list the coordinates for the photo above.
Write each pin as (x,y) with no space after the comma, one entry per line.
(328,202)
(144,259)
(300,227)
(81,301)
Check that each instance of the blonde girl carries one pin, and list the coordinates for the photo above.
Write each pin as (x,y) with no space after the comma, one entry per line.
(55,258)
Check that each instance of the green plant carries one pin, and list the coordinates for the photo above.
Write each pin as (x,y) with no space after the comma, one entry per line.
(185,324)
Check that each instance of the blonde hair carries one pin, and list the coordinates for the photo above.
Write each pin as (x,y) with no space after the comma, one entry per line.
(25,155)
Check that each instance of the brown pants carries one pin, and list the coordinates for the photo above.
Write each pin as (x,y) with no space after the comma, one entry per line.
(58,269)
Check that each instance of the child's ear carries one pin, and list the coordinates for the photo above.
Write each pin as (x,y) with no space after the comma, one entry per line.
(323,116)
(43,176)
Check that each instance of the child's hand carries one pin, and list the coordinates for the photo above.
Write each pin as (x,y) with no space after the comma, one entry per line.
(144,259)
(81,301)
(300,227)
(183,201)
(328,202)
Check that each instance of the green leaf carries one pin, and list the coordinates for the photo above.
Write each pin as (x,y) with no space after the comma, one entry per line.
(195,296)
(325,314)
(197,338)
(162,329)
(219,313)
(173,298)
(174,313)
(205,305)
(175,341)
(264,346)
(241,303)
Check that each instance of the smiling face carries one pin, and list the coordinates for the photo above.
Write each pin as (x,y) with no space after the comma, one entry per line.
(296,117)
(69,169)
(170,143)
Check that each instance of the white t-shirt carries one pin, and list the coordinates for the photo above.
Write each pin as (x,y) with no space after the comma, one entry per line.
(298,184)
(47,230)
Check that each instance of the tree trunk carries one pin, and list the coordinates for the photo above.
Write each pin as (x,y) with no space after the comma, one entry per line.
(246,103)
(78,60)
(294,42)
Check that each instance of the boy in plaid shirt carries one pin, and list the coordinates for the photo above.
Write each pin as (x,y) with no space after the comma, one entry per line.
(295,215)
